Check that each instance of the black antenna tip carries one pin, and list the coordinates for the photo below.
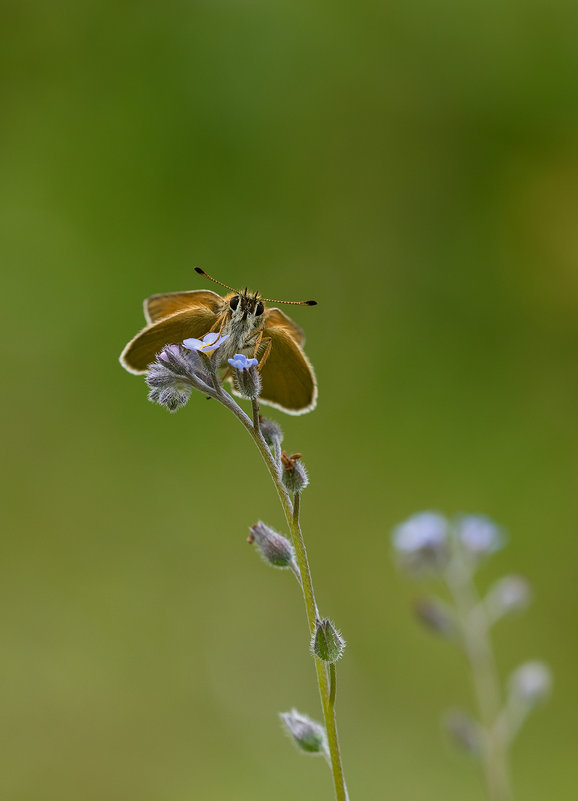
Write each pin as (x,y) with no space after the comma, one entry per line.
(311,303)
(199,271)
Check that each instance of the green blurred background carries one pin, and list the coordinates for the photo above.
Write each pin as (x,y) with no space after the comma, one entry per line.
(412,166)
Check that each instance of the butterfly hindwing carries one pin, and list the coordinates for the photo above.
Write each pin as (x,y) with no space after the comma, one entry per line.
(278,319)
(287,375)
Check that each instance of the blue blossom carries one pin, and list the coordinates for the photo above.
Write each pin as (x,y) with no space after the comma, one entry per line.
(479,535)
(241,362)
(531,682)
(422,540)
(207,344)
(246,377)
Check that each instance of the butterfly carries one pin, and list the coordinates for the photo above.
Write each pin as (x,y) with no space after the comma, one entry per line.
(246,325)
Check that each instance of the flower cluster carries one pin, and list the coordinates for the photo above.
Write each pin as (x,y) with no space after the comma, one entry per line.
(174,374)
(178,369)
(430,545)
(425,541)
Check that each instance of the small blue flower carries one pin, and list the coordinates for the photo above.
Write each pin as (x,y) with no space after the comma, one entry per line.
(479,535)
(207,344)
(422,541)
(423,531)
(241,362)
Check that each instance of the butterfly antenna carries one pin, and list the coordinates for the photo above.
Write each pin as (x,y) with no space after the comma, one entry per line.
(292,302)
(202,272)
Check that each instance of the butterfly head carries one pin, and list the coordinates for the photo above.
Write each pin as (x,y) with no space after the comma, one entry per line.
(245,306)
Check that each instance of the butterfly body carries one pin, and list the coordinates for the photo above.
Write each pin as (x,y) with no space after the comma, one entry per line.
(251,328)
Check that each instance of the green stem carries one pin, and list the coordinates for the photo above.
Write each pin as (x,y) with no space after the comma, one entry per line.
(332,683)
(326,691)
(291,511)
(475,632)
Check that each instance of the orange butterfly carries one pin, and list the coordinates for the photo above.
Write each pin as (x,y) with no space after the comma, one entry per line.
(249,326)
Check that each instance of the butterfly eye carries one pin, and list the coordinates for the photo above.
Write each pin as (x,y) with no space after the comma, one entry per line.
(234,302)
(259,309)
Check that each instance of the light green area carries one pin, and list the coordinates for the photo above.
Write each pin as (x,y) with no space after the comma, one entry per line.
(414,167)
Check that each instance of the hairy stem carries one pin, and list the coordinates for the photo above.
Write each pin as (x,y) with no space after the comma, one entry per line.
(475,632)
(292,511)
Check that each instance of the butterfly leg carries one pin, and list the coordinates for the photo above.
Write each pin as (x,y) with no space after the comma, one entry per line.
(268,345)
(268,342)
(219,323)
(261,340)
(227,375)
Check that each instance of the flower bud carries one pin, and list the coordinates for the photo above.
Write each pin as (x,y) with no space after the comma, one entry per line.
(166,388)
(435,616)
(271,431)
(294,475)
(308,735)
(173,375)
(531,683)
(246,376)
(273,547)
(463,730)
(327,643)
(508,595)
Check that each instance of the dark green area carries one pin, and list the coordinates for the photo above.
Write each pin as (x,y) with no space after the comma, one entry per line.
(413,167)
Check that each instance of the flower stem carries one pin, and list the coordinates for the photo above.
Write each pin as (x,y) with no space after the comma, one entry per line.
(292,511)
(474,624)
(326,691)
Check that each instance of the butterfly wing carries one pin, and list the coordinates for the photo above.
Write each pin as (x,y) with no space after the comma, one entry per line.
(278,319)
(287,375)
(142,349)
(158,307)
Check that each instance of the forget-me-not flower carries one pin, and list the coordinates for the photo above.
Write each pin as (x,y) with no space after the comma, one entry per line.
(479,535)
(241,362)
(246,376)
(422,540)
(207,344)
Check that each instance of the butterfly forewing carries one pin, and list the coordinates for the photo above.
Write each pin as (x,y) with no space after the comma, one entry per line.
(158,307)
(141,350)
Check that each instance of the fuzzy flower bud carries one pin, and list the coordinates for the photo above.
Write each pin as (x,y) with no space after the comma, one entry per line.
(273,547)
(435,615)
(308,735)
(327,643)
(271,431)
(294,475)
(173,376)
(464,731)
(531,683)
(246,376)
(478,535)
(421,542)
(508,595)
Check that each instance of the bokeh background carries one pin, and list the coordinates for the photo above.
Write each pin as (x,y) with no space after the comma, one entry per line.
(414,167)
